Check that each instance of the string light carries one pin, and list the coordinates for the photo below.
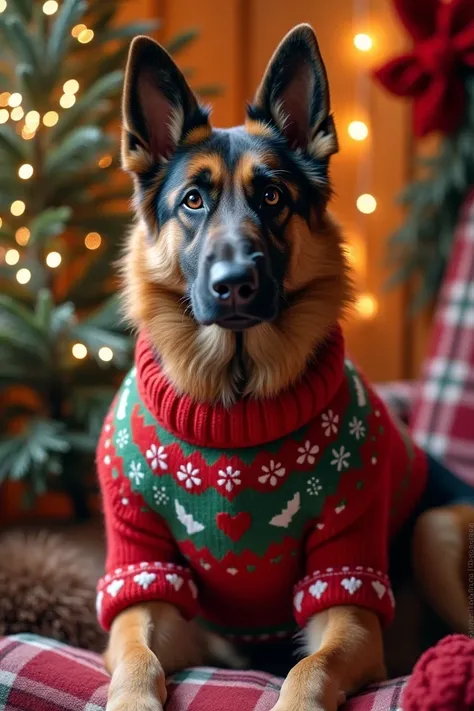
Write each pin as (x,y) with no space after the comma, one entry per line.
(12,257)
(23,276)
(25,171)
(22,236)
(77,29)
(93,240)
(32,119)
(366,204)
(4,96)
(50,118)
(15,99)
(358,130)
(79,351)
(28,133)
(3,5)
(17,208)
(50,7)
(85,36)
(4,115)
(106,354)
(366,306)
(53,260)
(1,222)
(105,161)
(363,42)
(71,86)
(67,100)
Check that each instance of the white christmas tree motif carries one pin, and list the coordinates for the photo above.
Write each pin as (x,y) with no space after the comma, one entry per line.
(157,457)
(356,428)
(229,478)
(273,472)
(314,487)
(341,458)
(160,495)
(307,452)
(189,474)
(329,423)
(123,438)
(135,473)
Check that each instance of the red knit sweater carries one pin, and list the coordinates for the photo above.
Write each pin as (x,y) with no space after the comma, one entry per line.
(259,515)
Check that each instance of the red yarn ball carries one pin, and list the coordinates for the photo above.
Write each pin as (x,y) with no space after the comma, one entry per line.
(443,678)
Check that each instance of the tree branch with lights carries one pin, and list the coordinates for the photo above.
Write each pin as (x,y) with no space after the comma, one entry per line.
(63,216)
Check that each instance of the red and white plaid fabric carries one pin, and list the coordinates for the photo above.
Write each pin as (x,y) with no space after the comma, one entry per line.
(443,415)
(38,674)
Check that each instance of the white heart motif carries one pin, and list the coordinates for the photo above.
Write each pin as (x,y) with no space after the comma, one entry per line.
(318,589)
(98,602)
(144,580)
(298,600)
(340,508)
(379,588)
(351,584)
(175,580)
(193,588)
(232,571)
(115,587)
(320,526)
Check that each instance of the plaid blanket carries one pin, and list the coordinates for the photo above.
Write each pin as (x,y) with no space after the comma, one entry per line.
(443,413)
(38,674)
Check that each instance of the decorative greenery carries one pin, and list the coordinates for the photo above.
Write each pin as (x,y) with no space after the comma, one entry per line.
(61,72)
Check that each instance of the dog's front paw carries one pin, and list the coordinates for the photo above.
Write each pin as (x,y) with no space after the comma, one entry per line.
(309,689)
(135,703)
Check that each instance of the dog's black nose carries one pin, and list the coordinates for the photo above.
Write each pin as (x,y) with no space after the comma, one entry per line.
(234,282)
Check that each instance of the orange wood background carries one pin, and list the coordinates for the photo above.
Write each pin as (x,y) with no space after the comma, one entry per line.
(235,42)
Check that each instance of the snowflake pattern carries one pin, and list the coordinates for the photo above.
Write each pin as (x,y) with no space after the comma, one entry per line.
(314,487)
(135,473)
(160,495)
(307,452)
(272,473)
(357,428)
(187,473)
(157,457)
(341,458)
(229,478)
(329,423)
(123,438)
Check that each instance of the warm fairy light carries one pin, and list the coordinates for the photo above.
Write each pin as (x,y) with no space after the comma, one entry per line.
(12,257)
(32,119)
(67,100)
(23,276)
(28,133)
(3,5)
(17,113)
(85,36)
(17,208)
(79,351)
(53,260)
(77,29)
(25,171)
(50,7)
(366,306)
(22,236)
(105,161)
(15,100)
(1,222)
(4,115)
(50,118)
(93,240)
(363,42)
(358,130)
(4,96)
(71,86)
(106,354)
(366,203)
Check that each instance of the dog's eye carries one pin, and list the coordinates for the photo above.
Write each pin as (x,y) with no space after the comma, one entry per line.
(272,196)
(193,200)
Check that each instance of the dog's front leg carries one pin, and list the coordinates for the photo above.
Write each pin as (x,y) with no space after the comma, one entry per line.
(345,653)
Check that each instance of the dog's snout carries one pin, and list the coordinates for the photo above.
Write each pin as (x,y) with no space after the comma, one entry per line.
(235,282)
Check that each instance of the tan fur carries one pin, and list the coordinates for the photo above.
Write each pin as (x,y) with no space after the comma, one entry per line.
(197,135)
(258,128)
(207,161)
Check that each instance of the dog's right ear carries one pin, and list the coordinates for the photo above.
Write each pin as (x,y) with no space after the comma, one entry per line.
(159,108)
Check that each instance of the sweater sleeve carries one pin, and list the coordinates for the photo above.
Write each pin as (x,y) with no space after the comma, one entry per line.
(142,562)
(349,568)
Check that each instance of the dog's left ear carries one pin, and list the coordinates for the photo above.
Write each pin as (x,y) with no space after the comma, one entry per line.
(294,95)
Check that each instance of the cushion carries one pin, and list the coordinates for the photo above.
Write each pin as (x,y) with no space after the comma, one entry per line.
(39,674)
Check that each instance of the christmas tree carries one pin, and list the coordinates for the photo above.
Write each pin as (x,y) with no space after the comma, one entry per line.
(63,217)
(438,76)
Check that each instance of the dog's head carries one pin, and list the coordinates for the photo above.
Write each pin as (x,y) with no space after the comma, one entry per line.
(233,232)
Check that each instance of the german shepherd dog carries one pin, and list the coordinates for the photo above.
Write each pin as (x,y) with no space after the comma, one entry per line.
(236,271)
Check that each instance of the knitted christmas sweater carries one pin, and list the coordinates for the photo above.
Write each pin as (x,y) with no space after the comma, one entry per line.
(258,516)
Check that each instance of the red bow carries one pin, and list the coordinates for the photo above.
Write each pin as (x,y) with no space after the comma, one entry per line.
(434,72)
